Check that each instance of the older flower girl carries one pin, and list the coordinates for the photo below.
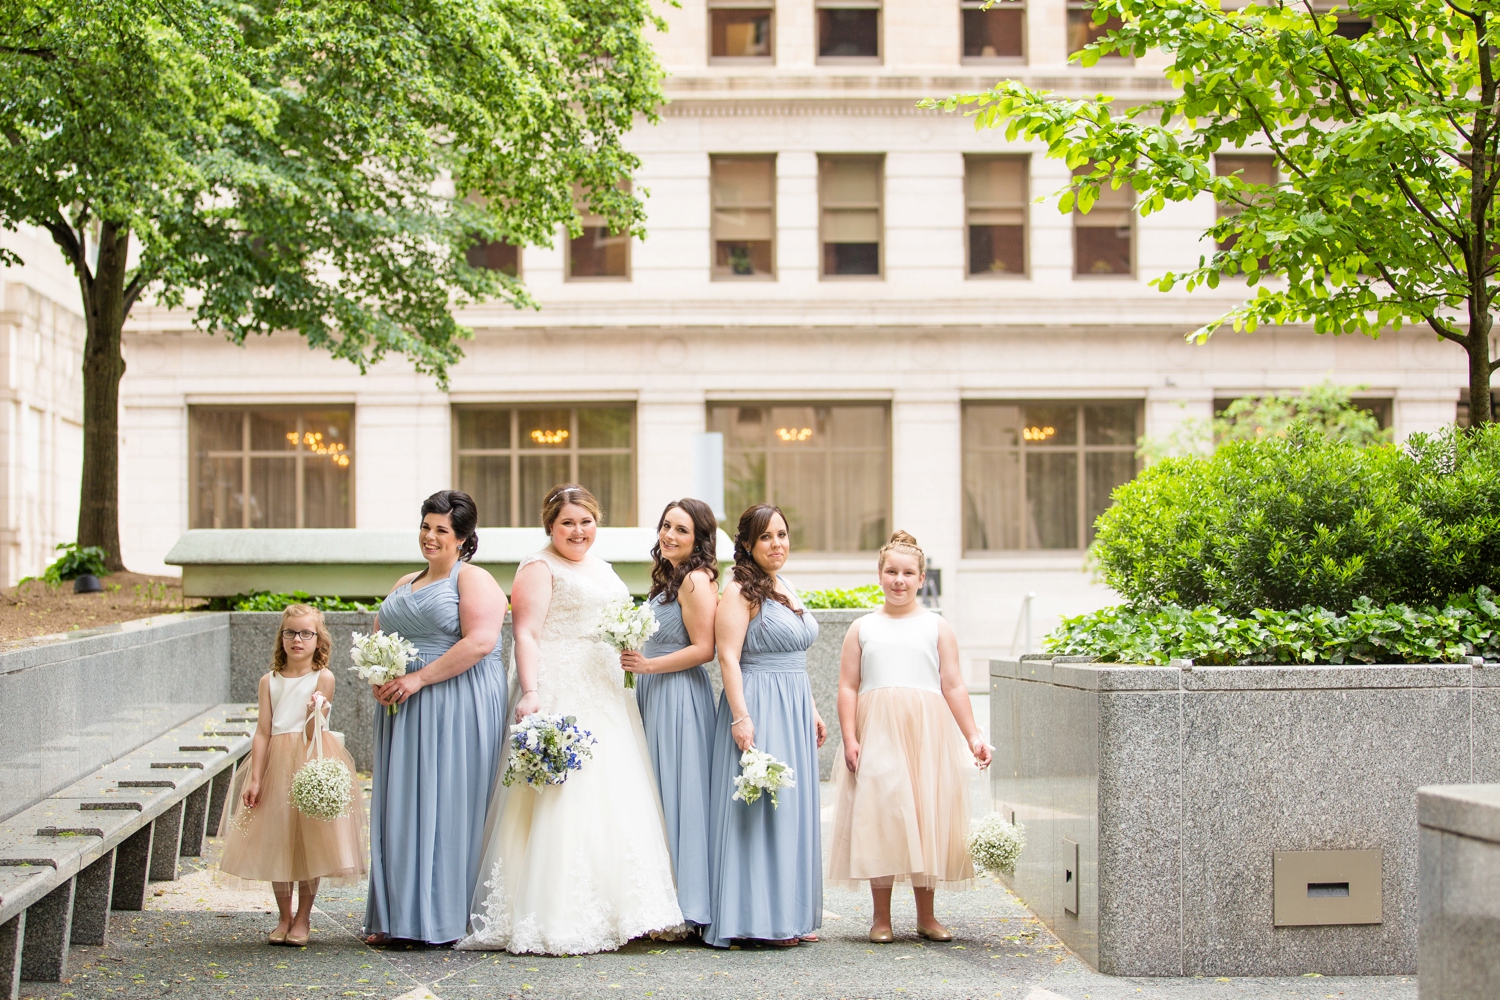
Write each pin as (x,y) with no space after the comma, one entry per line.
(265,838)
(903,809)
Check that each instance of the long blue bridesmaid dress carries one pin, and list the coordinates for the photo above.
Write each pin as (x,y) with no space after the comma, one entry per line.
(767,862)
(678,712)
(435,763)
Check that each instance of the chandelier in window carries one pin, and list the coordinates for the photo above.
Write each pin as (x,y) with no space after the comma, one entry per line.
(549,437)
(794,434)
(1037,433)
(313,441)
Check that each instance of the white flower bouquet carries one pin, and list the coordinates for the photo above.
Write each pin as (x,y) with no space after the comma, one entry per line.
(381,658)
(760,773)
(626,626)
(321,787)
(995,844)
(544,748)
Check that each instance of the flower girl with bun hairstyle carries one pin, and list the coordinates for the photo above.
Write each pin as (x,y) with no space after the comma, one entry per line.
(266,839)
(902,794)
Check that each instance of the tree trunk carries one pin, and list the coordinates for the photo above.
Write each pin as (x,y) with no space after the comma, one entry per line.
(1477,343)
(103,367)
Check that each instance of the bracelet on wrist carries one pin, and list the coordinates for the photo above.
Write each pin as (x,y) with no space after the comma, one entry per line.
(736,722)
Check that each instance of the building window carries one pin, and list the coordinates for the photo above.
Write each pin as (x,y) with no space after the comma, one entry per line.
(1082,31)
(1253,169)
(1036,475)
(1104,237)
(995,190)
(849,191)
(827,465)
(272,467)
(1351,24)
(495,256)
(740,30)
(996,31)
(743,189)
(849,30)
(507,458)
(599,251)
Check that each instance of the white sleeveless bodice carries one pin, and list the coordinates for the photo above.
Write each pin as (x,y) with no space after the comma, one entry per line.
(899,652)
(289,698)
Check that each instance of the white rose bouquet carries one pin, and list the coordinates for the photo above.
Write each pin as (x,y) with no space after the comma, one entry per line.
(381,658)
(544,748)
(626,626)
(995,844)
(760,773)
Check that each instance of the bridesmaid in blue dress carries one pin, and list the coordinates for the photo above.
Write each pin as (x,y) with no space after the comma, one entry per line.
(766,862)
(673,691)
(435,759)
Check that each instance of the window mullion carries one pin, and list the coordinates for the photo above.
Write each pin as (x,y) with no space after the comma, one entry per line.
(245,470)
(299,477)
(515,469)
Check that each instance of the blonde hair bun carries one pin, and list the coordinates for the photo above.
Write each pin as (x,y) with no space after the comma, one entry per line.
(899,537)
(902,541)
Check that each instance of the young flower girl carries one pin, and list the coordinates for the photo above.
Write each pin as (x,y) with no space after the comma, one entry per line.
(265,838)
(903,804)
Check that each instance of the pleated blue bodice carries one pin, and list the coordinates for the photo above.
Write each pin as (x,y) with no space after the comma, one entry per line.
(778,639)
(672,634)
(427,618)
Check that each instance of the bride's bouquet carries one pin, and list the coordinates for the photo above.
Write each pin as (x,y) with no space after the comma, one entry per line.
(626,626)
(761,773)
(544,748)
(381,658)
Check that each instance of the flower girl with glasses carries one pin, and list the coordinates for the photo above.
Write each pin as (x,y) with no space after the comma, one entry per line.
(265,838)
(903,805)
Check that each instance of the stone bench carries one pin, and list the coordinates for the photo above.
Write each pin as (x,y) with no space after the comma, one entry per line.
(93,846)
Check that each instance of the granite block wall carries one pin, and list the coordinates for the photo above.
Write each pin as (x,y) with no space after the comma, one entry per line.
(1460,892)
(1179,786)
(70,704)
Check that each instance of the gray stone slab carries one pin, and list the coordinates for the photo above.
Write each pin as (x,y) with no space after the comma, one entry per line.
(195,821)
(166,844)
(133,870)
(1460,917)
(12,934)
(49,925)
(1301,678)
(69,704)
(95,886)
(1468,810)
(217,796)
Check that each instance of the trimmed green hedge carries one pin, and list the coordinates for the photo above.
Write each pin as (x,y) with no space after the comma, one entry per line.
(261,600)
(1369,633)
(855,597)
(1306,519)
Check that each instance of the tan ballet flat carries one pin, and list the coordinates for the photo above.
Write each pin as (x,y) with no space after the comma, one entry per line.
(939,933)
(275,938)
(882,937)
(296,942)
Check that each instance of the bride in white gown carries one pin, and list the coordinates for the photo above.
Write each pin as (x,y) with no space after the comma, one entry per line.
(583,866)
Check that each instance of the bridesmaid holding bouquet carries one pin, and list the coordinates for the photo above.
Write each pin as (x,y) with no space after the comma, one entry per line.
(673,691)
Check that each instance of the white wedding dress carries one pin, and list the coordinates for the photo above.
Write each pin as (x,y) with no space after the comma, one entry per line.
(583,866)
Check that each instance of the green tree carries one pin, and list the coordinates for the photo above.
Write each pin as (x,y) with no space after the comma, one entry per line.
(1385,143)
(311,165)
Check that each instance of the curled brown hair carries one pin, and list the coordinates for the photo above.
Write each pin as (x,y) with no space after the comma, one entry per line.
(560,496)
(666,578)
(903,542)
(756,585)
(320,651)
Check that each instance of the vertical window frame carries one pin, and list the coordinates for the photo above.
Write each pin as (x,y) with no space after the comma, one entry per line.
(1080,448)
(713,207)
(1025,209)
(1087,7)
(1135,236)
(514,452)
(713,5)
(586,212)
(299,457)
(878,206)
(1222,165)
(1019,60)
(878,59)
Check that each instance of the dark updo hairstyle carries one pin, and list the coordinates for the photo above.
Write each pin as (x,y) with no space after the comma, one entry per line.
(666,578)
(462,514)
(756,585)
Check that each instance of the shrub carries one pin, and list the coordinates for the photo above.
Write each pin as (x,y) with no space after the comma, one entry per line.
(262,600)
(1307,519)
(76,560)
(1396,633)
(856,597)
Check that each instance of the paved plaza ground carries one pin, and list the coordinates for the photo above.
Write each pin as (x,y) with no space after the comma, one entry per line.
(197,939)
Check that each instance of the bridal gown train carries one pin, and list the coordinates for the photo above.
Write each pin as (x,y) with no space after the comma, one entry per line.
(583,866)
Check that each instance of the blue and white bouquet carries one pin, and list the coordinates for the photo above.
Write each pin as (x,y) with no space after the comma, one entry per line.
(760,773)
(381,658)
(626,626)
(544,748)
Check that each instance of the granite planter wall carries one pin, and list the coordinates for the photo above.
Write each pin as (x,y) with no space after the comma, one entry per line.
(71,703)
(1178,786)
(1459,898)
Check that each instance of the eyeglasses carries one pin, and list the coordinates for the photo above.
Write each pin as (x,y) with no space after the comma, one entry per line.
(305,635)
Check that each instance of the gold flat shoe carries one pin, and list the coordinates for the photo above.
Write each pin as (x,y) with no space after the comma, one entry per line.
(939,934)
(295,942)
(882,937)
(274,938)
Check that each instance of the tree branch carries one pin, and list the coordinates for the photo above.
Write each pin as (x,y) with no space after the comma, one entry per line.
(46,55)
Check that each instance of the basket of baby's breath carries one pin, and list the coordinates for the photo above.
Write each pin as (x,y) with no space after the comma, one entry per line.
(995,844)
(321,787)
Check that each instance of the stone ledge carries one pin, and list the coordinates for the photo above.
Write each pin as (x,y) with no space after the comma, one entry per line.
(1467,810)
